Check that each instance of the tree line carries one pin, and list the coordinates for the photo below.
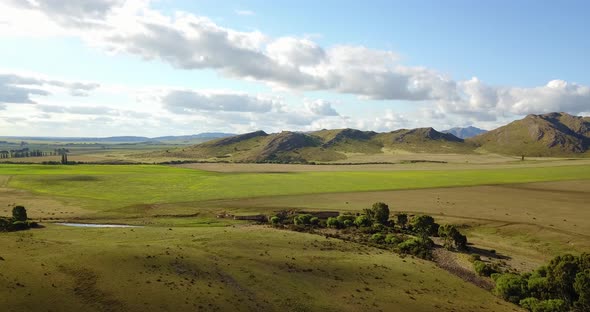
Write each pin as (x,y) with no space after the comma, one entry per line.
(26,152)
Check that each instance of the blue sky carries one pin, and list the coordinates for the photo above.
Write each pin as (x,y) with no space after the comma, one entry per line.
(115,67)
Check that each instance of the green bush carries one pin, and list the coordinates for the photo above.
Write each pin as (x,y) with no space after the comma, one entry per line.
(362,221)
(333,223)
(18,226)
(511,287)
(552,305)
(484,269)
(275,220)
(302,219)
(314,221)
(417,247)
(19,213)
(378,238)
(393,239)
(344,217)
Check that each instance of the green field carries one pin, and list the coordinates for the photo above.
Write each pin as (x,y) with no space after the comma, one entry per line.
(128,185)
(186,259)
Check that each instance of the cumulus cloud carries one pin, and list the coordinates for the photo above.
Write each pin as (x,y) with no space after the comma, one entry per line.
(487,103)
(193,42)
(20,89)
(238,108)
(320,108)
(189,42)
(79,110)
(187,102)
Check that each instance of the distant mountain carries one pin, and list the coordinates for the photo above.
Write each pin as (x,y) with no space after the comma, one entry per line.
(193,139)
(553,134)
(466,132)
(204,135)
(323,145)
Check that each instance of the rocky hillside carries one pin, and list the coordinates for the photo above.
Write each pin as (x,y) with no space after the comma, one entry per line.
(554,134)
(323,145)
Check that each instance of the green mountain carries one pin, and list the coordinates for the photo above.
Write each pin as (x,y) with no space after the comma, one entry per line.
(553,134)
(323,145)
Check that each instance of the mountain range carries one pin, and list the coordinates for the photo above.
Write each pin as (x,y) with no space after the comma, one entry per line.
(193,138)
(465,133)
(554,134)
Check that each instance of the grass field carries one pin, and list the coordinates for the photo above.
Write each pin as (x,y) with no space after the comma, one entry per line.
(219,269)
(110,187)
(186,259)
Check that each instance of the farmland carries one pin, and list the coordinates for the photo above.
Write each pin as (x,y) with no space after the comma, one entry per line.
(184,257)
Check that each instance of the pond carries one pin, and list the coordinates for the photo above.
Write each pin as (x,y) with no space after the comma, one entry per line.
(96,225)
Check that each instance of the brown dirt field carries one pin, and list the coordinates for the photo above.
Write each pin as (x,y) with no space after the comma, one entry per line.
(459,165)
(529,222)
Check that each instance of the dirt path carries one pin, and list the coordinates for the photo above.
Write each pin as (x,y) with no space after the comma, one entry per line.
(448,261)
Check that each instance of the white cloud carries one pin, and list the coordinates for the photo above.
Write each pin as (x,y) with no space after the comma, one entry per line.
(193,42)
(488,103)
(320,107)
(20,89)
(187,41)
(188,102)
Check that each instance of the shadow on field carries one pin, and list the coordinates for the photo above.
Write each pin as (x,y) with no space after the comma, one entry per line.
(488,253)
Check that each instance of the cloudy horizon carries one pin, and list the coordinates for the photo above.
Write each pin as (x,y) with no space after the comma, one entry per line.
(154,68)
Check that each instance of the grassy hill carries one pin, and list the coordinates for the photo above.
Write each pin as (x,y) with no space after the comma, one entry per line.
(323,145)
(554,134)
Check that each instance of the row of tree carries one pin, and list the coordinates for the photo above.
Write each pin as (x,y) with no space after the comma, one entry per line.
(374,225)
(26,152)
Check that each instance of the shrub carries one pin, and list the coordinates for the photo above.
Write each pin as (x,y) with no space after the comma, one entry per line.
(425,226)
(380,212)
(362,221)
(347,223)
(314,221)
(302,219)
(333,223)
(551,305)
(378,238)
(484,269)
(378,227)
(417,246)
(18,226)
(344,217)
(19,213)
(393,239)
(511,287)
(4,224)
(275,220)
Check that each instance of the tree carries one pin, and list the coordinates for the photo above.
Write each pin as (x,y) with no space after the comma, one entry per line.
(19,213)
(362,221)
(561,273)
(582,288)
(275,220)
(401,220)
(302,219)
(333,222)
(424,226)
(511,287)
(380,212)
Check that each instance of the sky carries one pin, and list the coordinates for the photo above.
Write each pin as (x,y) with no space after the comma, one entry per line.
(170,67)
